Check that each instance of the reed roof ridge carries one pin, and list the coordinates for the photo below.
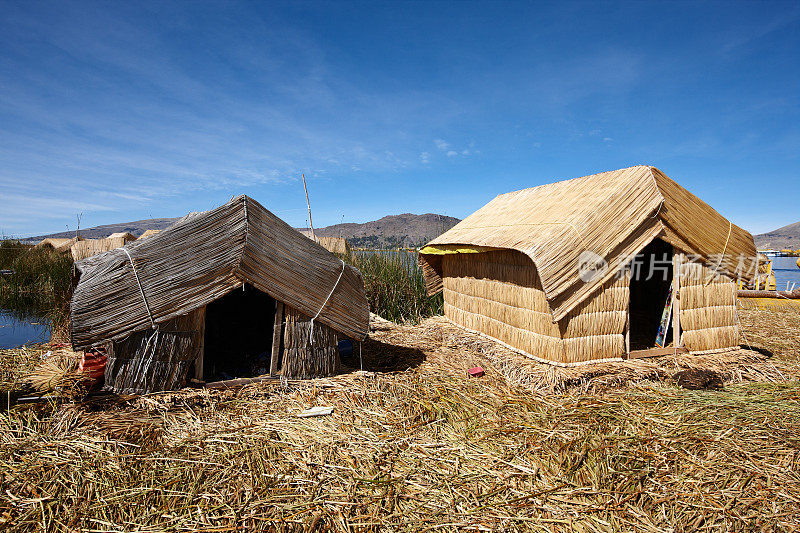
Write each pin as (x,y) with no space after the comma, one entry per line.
(586,177)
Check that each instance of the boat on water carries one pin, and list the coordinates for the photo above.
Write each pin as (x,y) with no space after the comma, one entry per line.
(762,293)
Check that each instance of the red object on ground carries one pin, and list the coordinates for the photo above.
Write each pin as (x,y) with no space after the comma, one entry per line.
(93,364)
(476,372)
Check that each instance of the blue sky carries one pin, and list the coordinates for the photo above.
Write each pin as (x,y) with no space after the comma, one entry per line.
(130,110)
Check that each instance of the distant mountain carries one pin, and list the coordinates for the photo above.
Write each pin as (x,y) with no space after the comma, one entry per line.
(406,230)
(98,232)
(390,231)
(781,238)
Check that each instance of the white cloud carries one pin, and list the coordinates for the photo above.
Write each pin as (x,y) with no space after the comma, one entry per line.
(425,157)
(464,152)
(607,139)
(452,153)
(441,144)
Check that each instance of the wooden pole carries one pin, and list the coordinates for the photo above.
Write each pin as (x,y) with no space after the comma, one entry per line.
(198,364)
(767,284)
(628,318)
(677,261)
(276,338)
(756,277)
(628,328)
(308,203)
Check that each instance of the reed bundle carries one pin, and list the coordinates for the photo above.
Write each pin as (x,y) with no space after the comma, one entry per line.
(57,372)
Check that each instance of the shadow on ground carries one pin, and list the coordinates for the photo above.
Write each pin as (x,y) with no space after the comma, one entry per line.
(379,356)
(762,351)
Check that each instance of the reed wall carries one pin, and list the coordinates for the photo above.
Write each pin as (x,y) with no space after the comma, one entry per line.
(708,309)
(89,247)
(303,359)
(595,329)
(143,363)
(499,293)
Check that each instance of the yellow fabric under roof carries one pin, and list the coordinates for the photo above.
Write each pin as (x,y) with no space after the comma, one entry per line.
(444,249)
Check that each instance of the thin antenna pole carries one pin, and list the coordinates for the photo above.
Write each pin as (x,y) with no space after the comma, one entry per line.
(308,203)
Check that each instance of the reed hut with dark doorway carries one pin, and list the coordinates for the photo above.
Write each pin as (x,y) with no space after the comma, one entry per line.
(89,247)
(590,269)
(229,293)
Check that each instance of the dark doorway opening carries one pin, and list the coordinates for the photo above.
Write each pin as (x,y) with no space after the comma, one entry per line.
(651,278)
(238,335)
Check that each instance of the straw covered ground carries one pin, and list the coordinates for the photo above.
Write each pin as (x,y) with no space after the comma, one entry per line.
(413,444)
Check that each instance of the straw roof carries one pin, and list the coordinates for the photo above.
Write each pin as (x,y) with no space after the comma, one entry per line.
(58,244)
(149,233)
(336,245)
(203,257)
(613,214)
(122,235)
(89,247)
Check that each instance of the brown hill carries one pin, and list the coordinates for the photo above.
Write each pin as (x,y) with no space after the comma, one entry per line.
(407,230)
(781,238)
(390,231)
(136,228)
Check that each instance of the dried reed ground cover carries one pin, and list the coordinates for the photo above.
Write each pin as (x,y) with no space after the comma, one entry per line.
(417,446)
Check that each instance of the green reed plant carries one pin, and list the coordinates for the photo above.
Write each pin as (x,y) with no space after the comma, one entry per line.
(10,249)
(395,286)
(41,282)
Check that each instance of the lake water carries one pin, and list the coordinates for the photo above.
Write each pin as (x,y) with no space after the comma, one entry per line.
(15,332)
(785,269)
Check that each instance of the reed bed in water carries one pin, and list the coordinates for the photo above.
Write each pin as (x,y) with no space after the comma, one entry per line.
(41,283)
(394,285)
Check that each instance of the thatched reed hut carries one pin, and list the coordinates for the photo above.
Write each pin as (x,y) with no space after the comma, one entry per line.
(149,233)
(89,247)
(336,245)
(59,245)
(581,270)
(228,293)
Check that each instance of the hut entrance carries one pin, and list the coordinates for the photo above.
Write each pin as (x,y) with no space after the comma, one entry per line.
(238,335)
(651,278)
